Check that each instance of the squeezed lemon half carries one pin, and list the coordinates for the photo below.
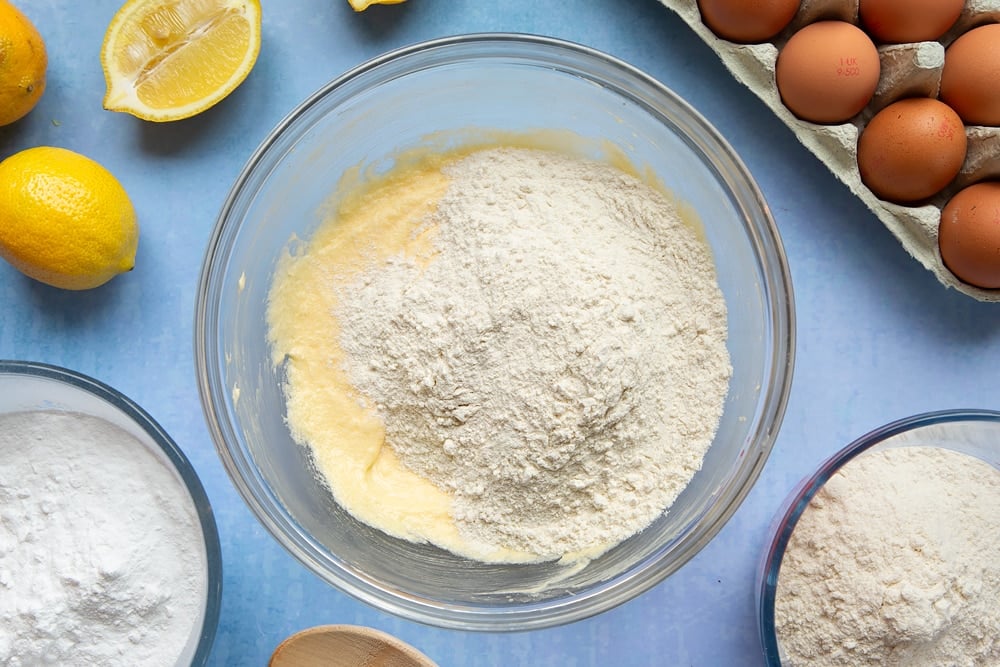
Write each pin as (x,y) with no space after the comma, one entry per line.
(166,60)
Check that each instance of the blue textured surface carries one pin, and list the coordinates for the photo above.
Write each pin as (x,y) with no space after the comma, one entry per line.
(878,337)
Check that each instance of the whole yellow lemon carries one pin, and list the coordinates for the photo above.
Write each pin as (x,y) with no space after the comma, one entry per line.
(64,219)
(23,62)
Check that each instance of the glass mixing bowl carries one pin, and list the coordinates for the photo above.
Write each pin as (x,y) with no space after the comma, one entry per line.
(30,386)
(972,432)
(441,89)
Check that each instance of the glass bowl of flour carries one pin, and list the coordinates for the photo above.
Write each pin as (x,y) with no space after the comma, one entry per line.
(494,332)
(889,554)
(109,553)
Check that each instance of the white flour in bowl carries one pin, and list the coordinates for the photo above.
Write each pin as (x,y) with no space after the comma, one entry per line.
(101,552)
(895,563)
(560,366)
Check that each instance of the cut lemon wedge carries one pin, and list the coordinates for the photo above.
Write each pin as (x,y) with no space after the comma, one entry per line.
(166,60)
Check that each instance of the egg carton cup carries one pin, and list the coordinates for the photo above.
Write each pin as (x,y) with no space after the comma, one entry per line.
(912,69)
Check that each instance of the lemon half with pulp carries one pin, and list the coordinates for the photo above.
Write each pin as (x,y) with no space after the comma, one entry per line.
(166,60)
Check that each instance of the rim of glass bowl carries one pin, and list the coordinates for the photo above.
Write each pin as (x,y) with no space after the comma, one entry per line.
(177,458)
(798,500)
(637,87)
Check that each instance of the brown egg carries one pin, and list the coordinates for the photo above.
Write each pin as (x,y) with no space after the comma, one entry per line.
(827,72)
(911,149)
(747,21)
(900,21)
(969,235)
(970,80)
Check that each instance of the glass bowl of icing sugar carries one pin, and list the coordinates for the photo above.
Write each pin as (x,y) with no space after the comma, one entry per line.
(109,553)
(462,238)
(889,553)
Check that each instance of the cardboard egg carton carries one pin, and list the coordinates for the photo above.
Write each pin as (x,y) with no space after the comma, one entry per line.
(912,69)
